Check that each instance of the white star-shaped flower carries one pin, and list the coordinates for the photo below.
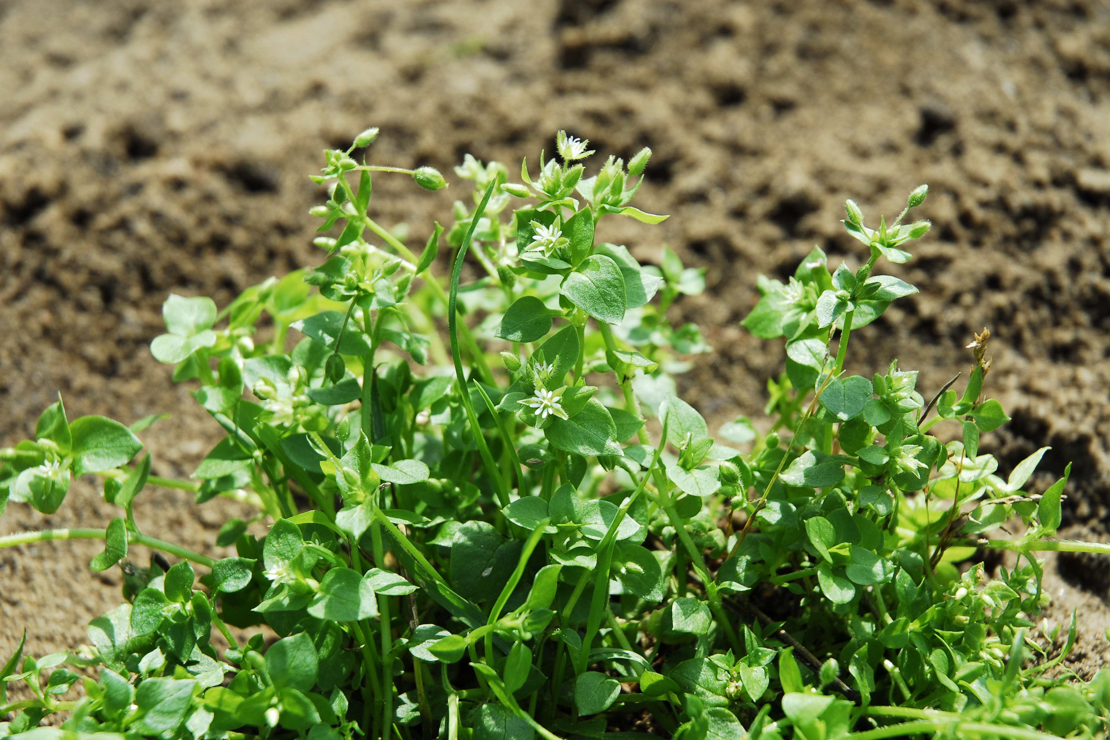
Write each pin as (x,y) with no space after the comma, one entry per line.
(572,148)
(546,403)
(907,458)
(280,573)
(545,239)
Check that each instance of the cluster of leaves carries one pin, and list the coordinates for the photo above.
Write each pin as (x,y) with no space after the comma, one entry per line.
(552,544)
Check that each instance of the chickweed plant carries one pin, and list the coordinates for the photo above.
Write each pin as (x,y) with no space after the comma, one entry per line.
(488,514)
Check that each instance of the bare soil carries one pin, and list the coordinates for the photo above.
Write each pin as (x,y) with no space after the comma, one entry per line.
(155,147)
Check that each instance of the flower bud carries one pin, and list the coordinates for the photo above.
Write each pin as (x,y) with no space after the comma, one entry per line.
(366,138)
(830,671)
(506,276)
(855,215)
(347,164)
(772,441)
(920,229)
(510,361)
(730,474)
(325,242)
(917,197)
(335,369)
(318,211)
(429,178)
(516,189)
(637,164)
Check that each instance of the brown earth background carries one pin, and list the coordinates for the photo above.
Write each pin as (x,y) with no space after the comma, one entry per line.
(155,147)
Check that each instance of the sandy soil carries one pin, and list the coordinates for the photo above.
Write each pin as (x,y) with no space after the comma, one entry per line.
(150,147)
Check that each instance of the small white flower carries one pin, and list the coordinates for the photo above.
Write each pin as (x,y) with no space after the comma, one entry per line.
(572,148)
(907,458)
(280,573)
(546,239)
(793,291)
(546,403)
(543,370)
(52,469)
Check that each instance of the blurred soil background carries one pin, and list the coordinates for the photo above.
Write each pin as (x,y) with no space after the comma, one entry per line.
(155,147)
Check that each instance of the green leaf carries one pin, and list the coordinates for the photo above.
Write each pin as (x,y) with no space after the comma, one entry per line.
(232,574)
(579,230)
(789,674)
(597,287)
(517,666)
(639,572)
(690,615)
(560,351)
(178,582)
(101,444)
(639,286)
(890,288)
(836,587)
(527,320)
(1048,510)
(594,692)
(528,512)
(846,398)
(482,561)
(292,663)
(344,391)
(115,546)
(815,470)
(627,423)
(354,520)
(971,439)
(226,458)
(186,317)
(388,584)
(829,308)
(431,249)
(403,472)
(362,195)
(495,722)
(589,432)
(636,213)
(52,425)
(699,482)
(544,587)
(283,543)
(325,327)
(867,568)
(344,596)
(656,684)
(822,535)
(162,704)
(9,667)
(449,649)
(988,415)
(132,484)
(685,426)
(1024,470)
(118,692)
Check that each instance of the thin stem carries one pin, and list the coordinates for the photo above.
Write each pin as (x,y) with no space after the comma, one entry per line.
(386,635)
(1097,548)
(134,538)
(842,349)
(932,726)
(181,485)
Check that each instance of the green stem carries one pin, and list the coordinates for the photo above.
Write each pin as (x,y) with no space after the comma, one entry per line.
(438,291)
(941,722)
(407,546)
(1097,548)
(387,635)
(787,577)
(134,538)
(181,485)
(842,349)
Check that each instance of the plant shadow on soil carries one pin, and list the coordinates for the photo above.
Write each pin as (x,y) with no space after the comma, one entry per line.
(145,150)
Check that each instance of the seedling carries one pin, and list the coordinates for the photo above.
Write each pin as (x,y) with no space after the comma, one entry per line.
(520,529)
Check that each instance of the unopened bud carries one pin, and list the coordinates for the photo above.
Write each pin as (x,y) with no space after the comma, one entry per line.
(510,361)
(429,178)
(318,211)
(855,215)
(513,188)
(325,242)
(772,441)
(637,164)
(347,164)
(730,474)
(506,276)
(335,369)
(366,137)
(919,229)
(917,197)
